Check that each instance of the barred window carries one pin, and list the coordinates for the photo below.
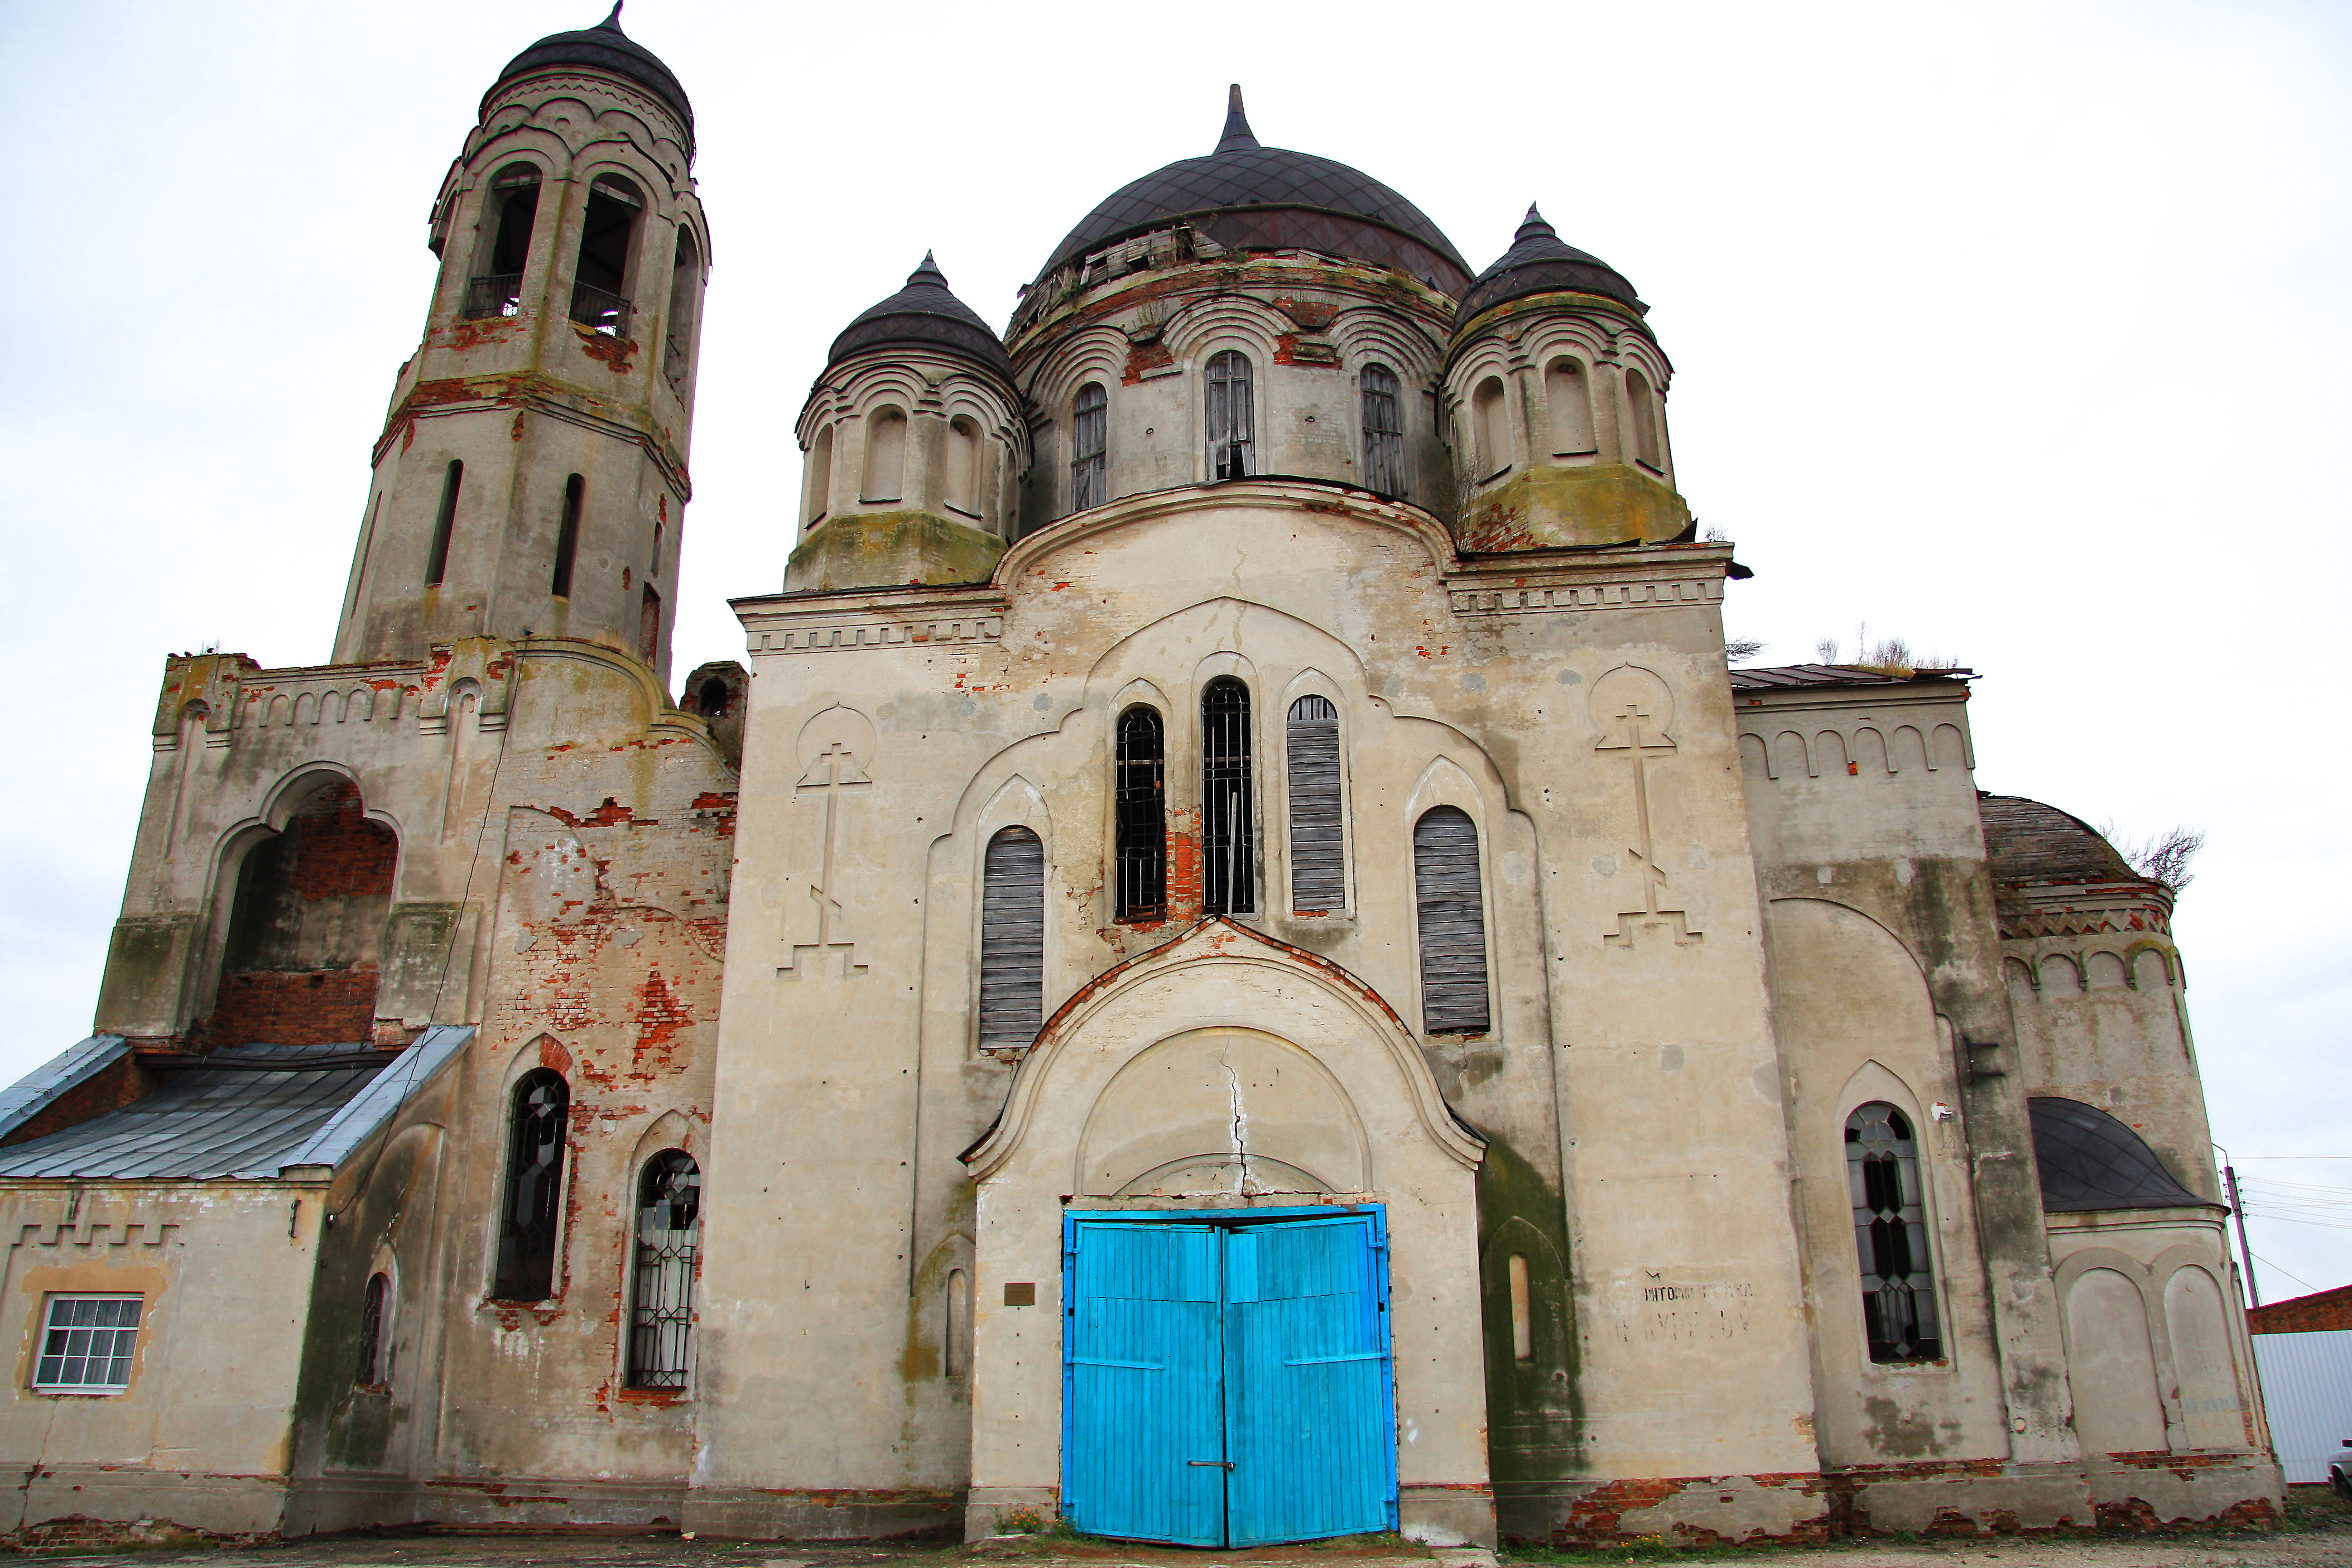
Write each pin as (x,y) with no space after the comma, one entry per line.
(1452,916)
(1141,872)
(1013,941)
(537,1123)
(669,1233)
(1383,432)
(1890,1233)
(1233,438)
(1228,839)
(1089,439)
(87,1343)
(1318,876)
(371,1370)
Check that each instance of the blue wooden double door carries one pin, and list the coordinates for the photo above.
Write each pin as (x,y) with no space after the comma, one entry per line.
(1226,1377)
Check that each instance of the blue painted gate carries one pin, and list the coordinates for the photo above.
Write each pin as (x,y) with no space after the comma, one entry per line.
(1225,1376)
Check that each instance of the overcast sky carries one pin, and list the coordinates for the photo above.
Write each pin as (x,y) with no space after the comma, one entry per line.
(2019,331)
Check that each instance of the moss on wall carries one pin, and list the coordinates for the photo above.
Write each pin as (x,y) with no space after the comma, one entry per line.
(890,549)
(1548,507)
(1534,1408)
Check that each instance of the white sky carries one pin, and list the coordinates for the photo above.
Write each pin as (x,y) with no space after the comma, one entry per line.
(2015,329)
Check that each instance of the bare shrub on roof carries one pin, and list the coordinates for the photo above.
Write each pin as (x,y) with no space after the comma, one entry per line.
(2161,857)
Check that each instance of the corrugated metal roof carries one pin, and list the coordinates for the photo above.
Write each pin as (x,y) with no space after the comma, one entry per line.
(247,1121)
(1788,677)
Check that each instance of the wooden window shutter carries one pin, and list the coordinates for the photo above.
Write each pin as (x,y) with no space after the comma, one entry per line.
(1012,941)
(1319,876)
(1453,922)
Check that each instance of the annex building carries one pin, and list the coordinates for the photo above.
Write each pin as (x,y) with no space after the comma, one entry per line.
(1231,963)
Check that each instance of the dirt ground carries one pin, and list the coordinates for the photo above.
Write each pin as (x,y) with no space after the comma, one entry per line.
(2318,1531)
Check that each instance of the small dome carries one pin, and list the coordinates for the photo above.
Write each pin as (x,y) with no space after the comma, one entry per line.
(2028,842)
(925,313)
(1538,262)
(1249,197)
(2089,1161)
(607,48)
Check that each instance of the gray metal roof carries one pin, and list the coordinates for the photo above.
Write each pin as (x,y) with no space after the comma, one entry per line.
(607,48)
(1541,262)
(1790,676)
(2090,1160)
(2027,841)
(247,1113)
(926,312)
(1273,198)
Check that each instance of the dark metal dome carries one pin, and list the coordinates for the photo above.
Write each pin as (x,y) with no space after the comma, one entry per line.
(2090,1160)
(1249,197)
(1539,262)
(924,312)
(607,48)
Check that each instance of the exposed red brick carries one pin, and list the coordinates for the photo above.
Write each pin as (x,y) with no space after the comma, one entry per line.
(2314,1314)
(297,1007)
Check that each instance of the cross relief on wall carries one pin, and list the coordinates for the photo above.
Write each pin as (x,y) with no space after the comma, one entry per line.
(829,747)
(1632,708)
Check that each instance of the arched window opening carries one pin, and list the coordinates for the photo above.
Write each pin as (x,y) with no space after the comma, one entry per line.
(1383,432)
(963,487)
(649,614)
(1012,941)
(957,1326)
(685,299)
(1494,434)
(885,457)
(1450,902)
(508,213)
(1228,839)
(661,1305)
(445,523)
(1522,1311)
(1567,396)
(1318,877)
(567,536)
(600,284)
(1140,882)
(1233,429)
(305,931)
(1644,406)
(1089,440)
(713,700)
(537,1126)
(373,1370)
(1890,1233)
(820,477)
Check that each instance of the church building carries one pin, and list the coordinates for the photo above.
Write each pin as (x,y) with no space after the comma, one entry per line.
(1231,964)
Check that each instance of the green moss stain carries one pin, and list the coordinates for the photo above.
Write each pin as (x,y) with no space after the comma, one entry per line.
(889,549)
(1549,507)
(1535,1408)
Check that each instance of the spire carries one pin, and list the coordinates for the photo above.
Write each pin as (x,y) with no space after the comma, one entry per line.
(929,272)
(1533,226)
(1238,137)
(614,21)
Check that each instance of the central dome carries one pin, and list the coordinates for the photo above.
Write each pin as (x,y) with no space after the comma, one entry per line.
(1249,197)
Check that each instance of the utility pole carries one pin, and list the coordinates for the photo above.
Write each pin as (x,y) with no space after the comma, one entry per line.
(2238,1208)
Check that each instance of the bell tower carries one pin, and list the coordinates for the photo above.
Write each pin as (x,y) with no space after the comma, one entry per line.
(531,477)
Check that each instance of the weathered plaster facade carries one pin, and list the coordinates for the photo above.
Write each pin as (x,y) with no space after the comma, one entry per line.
(1254,741)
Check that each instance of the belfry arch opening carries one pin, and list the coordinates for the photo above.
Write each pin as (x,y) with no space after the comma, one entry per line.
(600,284)
(305,928)
(510,211)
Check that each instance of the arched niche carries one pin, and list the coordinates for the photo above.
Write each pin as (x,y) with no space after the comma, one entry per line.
(1223,1110)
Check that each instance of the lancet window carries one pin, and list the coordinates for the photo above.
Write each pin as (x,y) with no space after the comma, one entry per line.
(1140,872)
(1089,440)
(567,536)
(1318,877)
(445,523)
(371,1371)
(1233,430)
(1228,838)
(669,1235)
(1890,1233)
(538,1123)
(1383,432)
(1013,941)
(1450,904)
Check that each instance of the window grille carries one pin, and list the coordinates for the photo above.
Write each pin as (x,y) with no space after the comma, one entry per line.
(540,1119)
(1453,922)
(1090,438)
(669,1233)
(1228,841)
(1141,879)
(371,1370)
(1232,441)
(1013,941)
(87,1344)
(1319,879)
(1383,433)
(1890,1232)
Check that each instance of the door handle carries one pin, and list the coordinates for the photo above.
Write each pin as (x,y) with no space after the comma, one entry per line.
(1212,1463)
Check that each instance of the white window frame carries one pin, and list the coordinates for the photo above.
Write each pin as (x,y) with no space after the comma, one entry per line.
(124,1351)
